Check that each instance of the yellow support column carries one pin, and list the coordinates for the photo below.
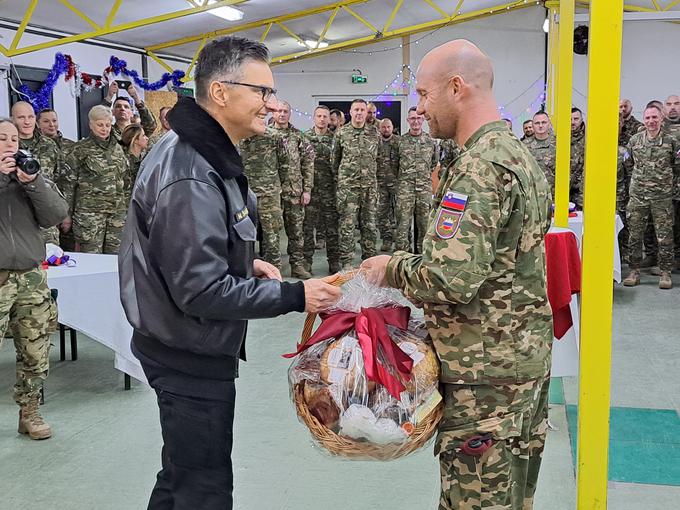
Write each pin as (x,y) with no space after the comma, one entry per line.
(606,20)
(563,111)
(551,79)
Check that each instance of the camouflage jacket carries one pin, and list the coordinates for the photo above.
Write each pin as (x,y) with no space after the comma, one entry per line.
(545,152)
(323,145)
(374,128)
(482,275)
(96,180)
(578,151)
(448,152)
(153,139)
(297,177)
(264,157)
(624,169)
(388,161)
(630,127)
(417,159)
(656,164)
(146,118)
(355,153)
(64,144)
(47,153)
(130,176)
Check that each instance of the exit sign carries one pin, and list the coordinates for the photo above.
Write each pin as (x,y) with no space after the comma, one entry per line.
(359,78)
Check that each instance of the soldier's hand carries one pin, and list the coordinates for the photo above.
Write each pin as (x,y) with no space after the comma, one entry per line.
(320,296)
(66,225)
(113,91)
(133,93)
(7,163)
(262,269)
(375,270)
(306,198)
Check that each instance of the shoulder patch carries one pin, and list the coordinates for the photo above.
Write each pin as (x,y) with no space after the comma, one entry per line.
(454,201)
(448,223)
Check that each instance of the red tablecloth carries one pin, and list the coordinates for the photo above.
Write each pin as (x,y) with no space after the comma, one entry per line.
(564,277)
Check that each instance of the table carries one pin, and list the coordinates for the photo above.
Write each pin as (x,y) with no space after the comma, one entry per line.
(89,301)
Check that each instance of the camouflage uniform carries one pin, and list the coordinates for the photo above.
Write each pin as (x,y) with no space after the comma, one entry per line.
(146,119)
(578,150)
(153,139)
(630,127)
(355,152)
(297,177)
(448,153)
(482,282)
(46,151)
(95,193)
(66,239)
(417,159)
(545,152)
(623,173)
(387,169)
(263,157)
(322,210)
(64,144)
(28,312)
(134,162)
(651,193)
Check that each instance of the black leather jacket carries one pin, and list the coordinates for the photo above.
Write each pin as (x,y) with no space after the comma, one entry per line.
(186,259)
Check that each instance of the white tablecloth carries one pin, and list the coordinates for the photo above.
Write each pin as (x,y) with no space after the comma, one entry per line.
(89,302)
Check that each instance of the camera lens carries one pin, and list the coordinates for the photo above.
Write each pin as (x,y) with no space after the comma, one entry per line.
(30,166)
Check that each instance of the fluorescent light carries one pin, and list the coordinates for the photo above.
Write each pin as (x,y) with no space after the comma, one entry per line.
(312,45)
(546,25)
(227,12)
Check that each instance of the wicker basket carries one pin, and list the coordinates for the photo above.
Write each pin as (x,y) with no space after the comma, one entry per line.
(355,448)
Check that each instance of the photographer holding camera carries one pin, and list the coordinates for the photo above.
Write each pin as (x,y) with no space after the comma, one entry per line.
(28,201)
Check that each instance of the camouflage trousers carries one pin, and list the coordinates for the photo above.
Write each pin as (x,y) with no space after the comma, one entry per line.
(321,214)
(50,235)
(387,224)
(504,477)
(357,204)
(676,229)
(293,219)
(623,235)
(98,232)
(412,205)
(270,216)
(661,212)
(27,309)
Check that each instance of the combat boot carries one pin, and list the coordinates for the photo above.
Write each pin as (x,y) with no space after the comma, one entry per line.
(632,279)
(300,272)
(665,281)
(32,423)
(333,267)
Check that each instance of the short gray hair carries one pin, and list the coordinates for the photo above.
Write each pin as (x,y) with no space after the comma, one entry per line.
(99,112)
(222,58)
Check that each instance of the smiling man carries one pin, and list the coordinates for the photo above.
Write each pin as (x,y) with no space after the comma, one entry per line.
(188,278)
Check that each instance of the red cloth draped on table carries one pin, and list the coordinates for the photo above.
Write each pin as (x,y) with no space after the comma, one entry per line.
(564,277)
(370,325)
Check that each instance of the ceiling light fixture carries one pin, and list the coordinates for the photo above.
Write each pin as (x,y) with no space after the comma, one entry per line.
(546,25)
(313,45)
(227,12)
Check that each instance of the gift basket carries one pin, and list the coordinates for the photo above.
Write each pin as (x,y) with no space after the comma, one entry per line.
(366,382)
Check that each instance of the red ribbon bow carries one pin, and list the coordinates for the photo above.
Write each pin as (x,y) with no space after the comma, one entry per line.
(371,327)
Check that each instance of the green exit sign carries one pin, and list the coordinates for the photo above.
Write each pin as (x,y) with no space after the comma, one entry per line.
(184,91)
(359,78)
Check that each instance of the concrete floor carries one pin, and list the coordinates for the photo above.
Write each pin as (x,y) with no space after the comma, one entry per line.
(105,451)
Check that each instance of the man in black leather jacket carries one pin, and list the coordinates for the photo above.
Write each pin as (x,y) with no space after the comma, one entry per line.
(188,278)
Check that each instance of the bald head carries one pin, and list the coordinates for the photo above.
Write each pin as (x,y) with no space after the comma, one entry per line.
(625,108)
(672,108)
(23,116)
(461,58)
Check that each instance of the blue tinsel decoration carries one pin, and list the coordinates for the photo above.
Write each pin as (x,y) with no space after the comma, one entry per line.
(118,66)
(41,98)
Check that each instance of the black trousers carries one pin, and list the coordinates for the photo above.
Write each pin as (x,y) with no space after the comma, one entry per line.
(196,457)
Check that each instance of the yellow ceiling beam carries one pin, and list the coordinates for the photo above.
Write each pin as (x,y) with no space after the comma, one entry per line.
(160,61)
(79,13)
(393,14)
(671,5)
(430,25)
(656,5)
(193,61)
(457,9)
(266,32)
(360,19)
(14,51)
(24,23)
(254,24)
(112,13)
(437,8)
(3,50)
(328,25)
(291,33)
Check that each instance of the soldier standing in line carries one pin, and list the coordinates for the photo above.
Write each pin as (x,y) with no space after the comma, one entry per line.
(654,155)
(543,146)
(387,169)
(95,189)
(672,109)
(448,153)
(578,150)
(135,144)
(322,210)
(623,173)
(528,129)
(355,151)
(263,158)
(486,312)
(417,159)
(372,119)
(629,124)
(121,108)
(297,180)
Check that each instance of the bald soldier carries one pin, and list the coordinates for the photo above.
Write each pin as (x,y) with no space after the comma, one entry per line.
(629,124)
(481,282)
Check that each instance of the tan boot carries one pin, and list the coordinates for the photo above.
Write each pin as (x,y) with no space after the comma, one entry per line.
(32,423)
(632,279)
(300,272)
(665,281)
(655,271)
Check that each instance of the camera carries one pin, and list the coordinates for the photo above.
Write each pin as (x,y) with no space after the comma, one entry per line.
(26,162)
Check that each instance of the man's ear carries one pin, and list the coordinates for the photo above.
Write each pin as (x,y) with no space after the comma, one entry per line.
(218,93)
(456,85)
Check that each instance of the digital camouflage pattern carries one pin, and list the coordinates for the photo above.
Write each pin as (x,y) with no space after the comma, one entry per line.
(322,212)
(630,127)
(624,169)
(95,193)
(578,156)
(655,165)
(386,171)
(545,152)
(264,158)
(448,153)
(483,289)
(146,119)
(64,144)
(417,160)
(66,239)
(130,176)
(297,177)
(355,152)
(153,139)
(505,476)
(28,312)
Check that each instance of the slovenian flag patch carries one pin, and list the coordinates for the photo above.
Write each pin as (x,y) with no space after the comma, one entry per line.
(454,201)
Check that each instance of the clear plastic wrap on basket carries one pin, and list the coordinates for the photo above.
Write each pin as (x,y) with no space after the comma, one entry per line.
(366,382)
